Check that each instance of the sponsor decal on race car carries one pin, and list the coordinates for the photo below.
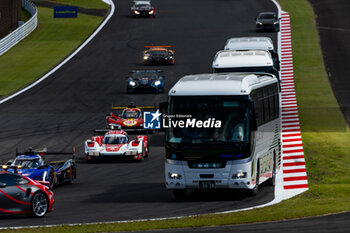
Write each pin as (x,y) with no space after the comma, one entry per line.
(130,122)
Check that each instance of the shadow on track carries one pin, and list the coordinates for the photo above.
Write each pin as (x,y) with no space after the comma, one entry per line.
(157,193)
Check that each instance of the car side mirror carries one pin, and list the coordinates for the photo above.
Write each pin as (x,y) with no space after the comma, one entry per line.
(28,192)
(9,162)
(2,185)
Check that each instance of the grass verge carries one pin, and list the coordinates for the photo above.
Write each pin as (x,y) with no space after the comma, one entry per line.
(25,15)
(94,4)
(44,48)
(325,136)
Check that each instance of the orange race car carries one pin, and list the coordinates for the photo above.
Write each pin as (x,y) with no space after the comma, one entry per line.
(158,55)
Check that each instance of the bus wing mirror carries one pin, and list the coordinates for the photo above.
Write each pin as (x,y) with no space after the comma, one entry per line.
(253,125)
(163,107)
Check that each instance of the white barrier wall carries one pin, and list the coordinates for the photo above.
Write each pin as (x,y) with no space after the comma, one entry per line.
(20,33)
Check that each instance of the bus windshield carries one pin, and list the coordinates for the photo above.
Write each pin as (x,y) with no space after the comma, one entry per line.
(232,111)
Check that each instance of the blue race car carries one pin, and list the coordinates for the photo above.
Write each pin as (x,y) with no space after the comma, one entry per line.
(31,164)
(145,81)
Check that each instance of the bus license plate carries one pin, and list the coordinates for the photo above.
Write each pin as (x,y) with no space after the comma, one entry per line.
(207,184)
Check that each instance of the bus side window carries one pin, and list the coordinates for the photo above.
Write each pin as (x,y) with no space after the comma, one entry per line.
(260,106)
(272,107)
(266,104)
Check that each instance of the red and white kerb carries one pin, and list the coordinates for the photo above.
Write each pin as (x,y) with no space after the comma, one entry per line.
(294,170)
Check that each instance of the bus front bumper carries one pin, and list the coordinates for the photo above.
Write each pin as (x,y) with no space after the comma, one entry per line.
(179,176)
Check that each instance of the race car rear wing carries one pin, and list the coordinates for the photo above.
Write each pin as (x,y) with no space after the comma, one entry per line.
(43,152)
(133,106)
(158,46)
(101,132)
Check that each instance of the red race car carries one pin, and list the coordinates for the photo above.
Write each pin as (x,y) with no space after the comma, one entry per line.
(22,195)
(130,119)
(116,144)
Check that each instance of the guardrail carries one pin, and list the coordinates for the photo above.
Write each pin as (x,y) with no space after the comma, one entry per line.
(21,32)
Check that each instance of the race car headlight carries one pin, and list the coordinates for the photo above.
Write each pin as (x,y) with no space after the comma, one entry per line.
(93,153)
(132,83)
(157,83)
(173,175)
(131,152)
(145,57)
(136,12)
(4,166)
(171,57)
(239,175)
(260,23)
(275,22)
(151,12)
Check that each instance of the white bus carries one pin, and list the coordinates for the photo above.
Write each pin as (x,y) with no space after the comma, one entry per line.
(253,60)
(243,152)
(248,43)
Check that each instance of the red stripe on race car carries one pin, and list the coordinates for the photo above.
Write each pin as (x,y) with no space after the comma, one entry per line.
(14,212)
(13,199)
(24,190)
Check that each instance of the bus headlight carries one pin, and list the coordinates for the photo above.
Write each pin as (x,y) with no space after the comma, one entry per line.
(173,175)
(239,175)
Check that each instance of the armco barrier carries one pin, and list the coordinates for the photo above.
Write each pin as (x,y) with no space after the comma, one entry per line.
(20,33)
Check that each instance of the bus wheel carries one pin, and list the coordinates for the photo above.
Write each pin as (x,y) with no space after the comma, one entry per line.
(272,180)
(179,193)
(254,191)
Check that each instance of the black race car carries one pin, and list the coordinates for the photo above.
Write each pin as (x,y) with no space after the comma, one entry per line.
(145,81)
(267,21)
(143,8)
(158,55)
(22,195)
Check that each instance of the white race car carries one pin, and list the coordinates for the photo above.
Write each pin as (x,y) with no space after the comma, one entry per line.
(116,144)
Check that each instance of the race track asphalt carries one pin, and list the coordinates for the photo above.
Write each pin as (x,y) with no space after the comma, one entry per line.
(333,24)
(62,111)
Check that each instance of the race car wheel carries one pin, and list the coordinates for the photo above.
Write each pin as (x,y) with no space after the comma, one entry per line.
(51,179)
(38,205)
(72,176)
(146,154)
(272,180)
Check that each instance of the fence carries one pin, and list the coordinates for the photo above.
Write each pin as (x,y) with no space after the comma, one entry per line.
(21,32)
